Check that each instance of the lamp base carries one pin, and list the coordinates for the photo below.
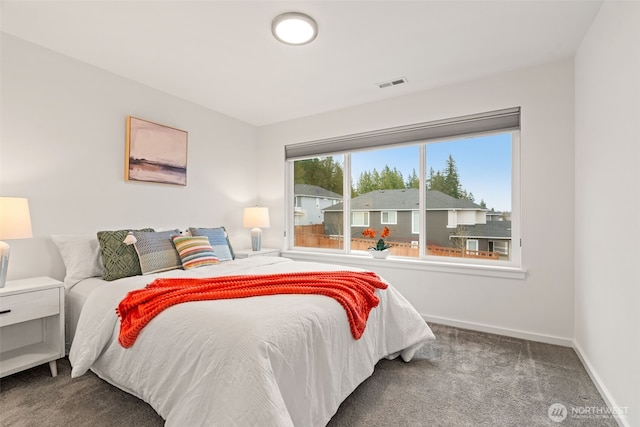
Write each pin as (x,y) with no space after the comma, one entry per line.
(256,239)
(4,262)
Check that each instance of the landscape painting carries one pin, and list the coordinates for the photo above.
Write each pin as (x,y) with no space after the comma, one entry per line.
(155,153)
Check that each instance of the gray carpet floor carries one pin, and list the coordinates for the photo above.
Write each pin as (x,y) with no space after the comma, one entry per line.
(464,378)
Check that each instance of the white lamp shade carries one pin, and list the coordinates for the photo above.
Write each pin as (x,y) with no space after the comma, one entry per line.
(15,220)
(255,217)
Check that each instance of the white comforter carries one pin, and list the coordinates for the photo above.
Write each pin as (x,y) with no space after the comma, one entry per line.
(277,360)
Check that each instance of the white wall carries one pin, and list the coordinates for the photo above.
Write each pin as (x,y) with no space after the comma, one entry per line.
(542,304)
(607,199)
(63,145)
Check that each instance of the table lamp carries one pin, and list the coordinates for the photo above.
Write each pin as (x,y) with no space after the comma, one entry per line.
(15,223)
(256,218)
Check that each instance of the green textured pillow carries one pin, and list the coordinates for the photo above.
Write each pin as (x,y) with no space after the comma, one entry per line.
(156,251)
(119,260)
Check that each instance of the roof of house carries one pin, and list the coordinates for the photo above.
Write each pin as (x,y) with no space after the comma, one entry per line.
(314,191)
(405,199)
(492,229)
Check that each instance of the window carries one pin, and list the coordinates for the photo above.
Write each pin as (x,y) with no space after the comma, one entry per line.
(388,217)
(415,222)
(359,219)
(501,247)
(437,186)
(315,226)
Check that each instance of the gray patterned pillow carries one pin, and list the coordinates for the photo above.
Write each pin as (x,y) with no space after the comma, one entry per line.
(156,251)
(119,260)
(219,241)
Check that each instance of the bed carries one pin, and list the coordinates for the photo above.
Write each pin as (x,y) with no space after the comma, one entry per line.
(278,360)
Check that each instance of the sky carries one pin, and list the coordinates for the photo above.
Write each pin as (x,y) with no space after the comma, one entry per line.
(483,163)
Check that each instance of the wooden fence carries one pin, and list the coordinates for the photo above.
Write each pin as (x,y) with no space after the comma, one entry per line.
(312,236)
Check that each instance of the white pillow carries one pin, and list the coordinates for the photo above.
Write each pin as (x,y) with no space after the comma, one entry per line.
(81,256)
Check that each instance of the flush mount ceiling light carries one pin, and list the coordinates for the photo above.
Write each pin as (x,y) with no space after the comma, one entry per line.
(294,28)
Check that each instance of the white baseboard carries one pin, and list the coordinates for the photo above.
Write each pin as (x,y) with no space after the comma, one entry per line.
(548,339)
(608,400)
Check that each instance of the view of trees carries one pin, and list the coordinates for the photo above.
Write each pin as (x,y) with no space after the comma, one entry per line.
(328,174)
(325,173)
(448,182)
(386,179)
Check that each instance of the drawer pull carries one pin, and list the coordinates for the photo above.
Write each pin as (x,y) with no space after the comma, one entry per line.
(5,311)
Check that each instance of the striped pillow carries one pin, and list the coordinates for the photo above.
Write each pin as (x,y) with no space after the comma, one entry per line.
(156,252)
(195,251)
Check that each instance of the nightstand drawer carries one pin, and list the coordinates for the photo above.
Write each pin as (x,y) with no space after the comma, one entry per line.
(29,305)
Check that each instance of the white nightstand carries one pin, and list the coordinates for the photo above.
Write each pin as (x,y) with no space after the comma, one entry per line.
(31,324)
(247,253)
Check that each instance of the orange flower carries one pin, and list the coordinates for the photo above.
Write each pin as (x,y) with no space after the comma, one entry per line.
(380,244)
(369,233)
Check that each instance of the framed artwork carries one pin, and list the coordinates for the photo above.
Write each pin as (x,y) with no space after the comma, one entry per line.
(155,153)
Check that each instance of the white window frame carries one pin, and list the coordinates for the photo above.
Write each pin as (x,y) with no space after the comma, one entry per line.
(503,268)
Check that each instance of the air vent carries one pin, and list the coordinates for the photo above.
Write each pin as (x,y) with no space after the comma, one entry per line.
(390,83)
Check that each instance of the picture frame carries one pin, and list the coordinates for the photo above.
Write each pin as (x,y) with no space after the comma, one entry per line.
(155,153)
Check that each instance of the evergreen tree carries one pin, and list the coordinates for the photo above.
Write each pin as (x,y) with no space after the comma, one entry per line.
(325,173)
(447,181)
(387,179)
(452,179)
(365,183)
(391,179)
(413,181)
(436,181)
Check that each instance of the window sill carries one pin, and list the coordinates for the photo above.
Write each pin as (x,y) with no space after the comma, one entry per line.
(409,264)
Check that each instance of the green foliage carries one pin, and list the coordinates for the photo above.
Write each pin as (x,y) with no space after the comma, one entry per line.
(324,172)
(387,179)
(447,181)
(436,181)
(452,179)
(413,181)
(327,173)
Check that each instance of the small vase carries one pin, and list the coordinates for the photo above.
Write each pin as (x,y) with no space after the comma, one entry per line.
(379,254)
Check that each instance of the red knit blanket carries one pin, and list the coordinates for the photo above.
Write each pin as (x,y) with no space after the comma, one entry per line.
(355,291)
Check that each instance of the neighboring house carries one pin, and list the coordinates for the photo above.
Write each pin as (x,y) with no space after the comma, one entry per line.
(310,200)
(447,219)
(498,216)
(494,236)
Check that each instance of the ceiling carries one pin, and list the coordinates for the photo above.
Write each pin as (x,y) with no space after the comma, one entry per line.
(221,54)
